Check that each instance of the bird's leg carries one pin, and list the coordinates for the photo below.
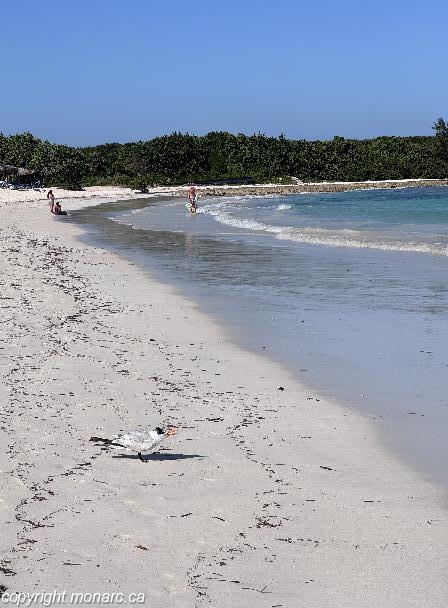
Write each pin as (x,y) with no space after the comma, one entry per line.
(141,457)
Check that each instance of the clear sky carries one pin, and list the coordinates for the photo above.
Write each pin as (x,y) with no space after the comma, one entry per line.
(89,71)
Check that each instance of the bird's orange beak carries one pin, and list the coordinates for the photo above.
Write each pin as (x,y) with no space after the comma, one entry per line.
(171,430)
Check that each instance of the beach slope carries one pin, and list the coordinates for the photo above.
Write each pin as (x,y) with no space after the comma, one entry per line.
(269,494)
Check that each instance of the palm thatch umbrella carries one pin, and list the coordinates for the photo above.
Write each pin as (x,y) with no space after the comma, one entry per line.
(22,172)
(19,174)
(7,171)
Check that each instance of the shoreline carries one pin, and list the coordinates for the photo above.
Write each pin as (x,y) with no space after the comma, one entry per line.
(264,497)
(93,193)
(173,255)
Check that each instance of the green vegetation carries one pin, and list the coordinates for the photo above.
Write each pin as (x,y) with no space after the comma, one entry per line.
(177,158)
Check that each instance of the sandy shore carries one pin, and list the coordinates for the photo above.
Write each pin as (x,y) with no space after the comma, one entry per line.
(35,198)
(266,497)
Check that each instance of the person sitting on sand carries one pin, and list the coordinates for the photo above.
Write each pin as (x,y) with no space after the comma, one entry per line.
(57,210)
(50,197)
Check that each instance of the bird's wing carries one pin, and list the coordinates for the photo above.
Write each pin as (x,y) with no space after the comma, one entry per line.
(140,439)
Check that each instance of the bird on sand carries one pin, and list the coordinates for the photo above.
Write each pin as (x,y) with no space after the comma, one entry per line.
(140,440)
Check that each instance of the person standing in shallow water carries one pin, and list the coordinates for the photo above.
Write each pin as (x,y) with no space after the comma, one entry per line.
(50,197)
(192,198)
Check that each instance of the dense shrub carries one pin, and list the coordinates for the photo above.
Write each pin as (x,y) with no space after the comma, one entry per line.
(178,158)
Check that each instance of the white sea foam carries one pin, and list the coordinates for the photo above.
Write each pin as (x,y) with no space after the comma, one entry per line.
(225,211)
(358,240)
(323,236)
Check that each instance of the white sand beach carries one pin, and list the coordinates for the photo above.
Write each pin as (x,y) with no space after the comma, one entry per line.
(264,498)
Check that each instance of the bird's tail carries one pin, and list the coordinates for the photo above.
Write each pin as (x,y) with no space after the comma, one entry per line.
(101,440)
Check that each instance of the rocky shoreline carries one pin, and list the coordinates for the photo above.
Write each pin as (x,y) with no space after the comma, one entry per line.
(303,188)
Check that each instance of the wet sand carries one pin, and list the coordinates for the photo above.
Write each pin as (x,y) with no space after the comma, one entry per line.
(268,496)
(290,304)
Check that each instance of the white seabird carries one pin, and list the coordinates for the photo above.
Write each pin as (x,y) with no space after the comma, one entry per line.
(140,440)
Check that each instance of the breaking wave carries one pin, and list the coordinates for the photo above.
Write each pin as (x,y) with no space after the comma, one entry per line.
(322,236)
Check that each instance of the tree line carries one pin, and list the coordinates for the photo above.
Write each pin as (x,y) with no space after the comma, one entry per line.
(182,158)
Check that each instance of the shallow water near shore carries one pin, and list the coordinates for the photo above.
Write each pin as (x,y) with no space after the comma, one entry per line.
(360,317)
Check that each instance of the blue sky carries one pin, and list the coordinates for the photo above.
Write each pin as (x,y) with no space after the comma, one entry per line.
(86,72)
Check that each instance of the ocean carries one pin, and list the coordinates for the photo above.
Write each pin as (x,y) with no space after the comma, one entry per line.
(348,290)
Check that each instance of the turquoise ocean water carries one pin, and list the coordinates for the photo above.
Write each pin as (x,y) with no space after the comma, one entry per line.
(413,220)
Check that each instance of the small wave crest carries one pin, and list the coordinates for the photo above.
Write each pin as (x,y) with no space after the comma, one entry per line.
(224,217)
(283,207)
(358,240)
(323,236)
